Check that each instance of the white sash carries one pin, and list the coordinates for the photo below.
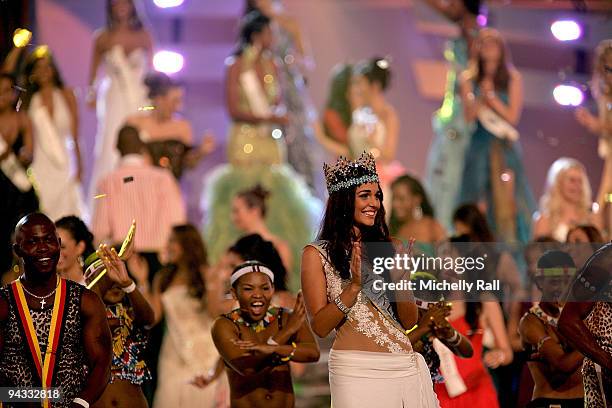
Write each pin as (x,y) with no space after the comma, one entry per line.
(448,368)
(497,125)
(47,137)
(256,97)
(12,169)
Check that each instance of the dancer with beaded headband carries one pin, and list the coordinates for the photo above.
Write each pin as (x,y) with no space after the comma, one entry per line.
(257,341)
(371,362)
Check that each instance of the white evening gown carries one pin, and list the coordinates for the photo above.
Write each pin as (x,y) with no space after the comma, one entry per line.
(54,168)
(187,350)
(120,94)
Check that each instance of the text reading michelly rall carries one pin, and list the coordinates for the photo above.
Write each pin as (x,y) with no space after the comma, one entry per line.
(437,286)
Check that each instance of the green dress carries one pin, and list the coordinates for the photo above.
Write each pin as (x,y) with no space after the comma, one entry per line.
(256,155)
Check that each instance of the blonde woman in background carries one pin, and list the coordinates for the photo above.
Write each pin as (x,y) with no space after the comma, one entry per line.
(601,124)
(566,201)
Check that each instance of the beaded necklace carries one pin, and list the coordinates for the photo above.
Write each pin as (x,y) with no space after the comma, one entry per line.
(261,325)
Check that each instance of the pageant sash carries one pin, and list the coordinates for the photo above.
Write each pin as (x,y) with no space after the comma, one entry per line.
(497,125)
(44,366)
(258,102)
(13,170)
(448,368)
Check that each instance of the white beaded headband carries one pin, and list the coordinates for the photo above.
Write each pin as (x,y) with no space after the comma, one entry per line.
(250,268)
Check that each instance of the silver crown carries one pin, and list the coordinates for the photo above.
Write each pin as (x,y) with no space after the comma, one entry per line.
(347,173)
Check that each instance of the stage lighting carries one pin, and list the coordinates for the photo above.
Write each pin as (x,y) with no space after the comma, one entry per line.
(568,95)
(168,3)
(168,62)
(566,30)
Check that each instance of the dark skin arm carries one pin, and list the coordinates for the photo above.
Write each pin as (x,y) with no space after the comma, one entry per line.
(571,325)
(97,345)
(117,272)
(225,336)
(295,329)
(532,331)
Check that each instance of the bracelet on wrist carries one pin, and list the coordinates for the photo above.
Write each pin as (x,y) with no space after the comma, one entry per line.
(343,308)
(454,340)
(290,356)
(130,288)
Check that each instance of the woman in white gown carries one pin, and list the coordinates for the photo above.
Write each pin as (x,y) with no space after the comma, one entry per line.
(374,126)
(124,48)
(188,295)
(52,109)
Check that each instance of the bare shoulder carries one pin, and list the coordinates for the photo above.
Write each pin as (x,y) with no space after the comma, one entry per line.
(101,38)
(515,75)
(222,325)
(69,95)
(91,305)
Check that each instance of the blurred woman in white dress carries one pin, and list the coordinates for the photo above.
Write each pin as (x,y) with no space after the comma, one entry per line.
(188,296)
(52,109)
(124,48)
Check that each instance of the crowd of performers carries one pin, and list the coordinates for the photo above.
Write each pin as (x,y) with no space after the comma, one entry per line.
(155,312)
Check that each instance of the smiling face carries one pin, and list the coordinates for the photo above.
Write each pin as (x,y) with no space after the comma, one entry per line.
(38,245)
(367,203)
(70,251)
(254,292)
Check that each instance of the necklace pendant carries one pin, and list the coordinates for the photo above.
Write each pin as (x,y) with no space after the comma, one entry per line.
(42,303)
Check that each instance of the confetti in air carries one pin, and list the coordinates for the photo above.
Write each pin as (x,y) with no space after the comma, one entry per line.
(146,108)
(128,179)
(99,196)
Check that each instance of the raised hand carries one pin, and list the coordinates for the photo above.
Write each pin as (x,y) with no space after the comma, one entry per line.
(356,264)
(115,268)
(297,317)
(139,268)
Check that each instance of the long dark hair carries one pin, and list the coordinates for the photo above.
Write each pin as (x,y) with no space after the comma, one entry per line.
(79,232)
(471,216)
(251,24)
(194,258)
(254,247)
(501,78)
(337,228)
(135,21)
(416,189)
(337,99)
(255,198)
(32,87)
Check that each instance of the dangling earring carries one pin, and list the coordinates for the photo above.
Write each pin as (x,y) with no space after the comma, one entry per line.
(417,213)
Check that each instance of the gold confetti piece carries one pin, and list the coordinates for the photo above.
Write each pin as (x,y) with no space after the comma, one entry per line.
(21,37)
(99,196)
(146,108)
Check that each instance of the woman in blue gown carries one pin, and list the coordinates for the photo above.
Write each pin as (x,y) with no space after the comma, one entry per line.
(451,132)
(493,176)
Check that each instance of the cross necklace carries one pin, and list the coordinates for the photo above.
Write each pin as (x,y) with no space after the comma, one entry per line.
(41,299)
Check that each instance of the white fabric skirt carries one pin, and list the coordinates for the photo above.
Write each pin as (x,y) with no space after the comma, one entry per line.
(362,379)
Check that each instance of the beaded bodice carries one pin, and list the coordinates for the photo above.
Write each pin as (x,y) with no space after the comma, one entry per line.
(365,325)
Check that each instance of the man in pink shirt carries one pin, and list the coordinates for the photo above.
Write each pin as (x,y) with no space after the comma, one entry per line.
(137,190)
